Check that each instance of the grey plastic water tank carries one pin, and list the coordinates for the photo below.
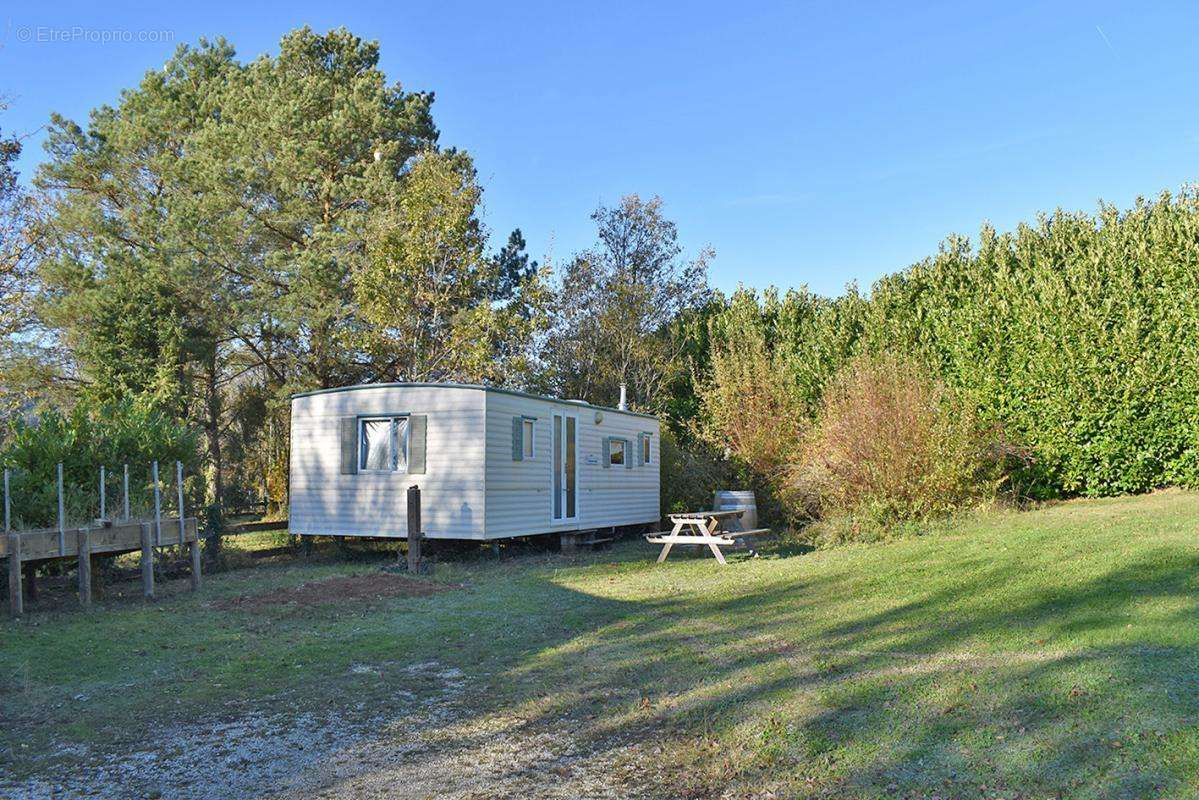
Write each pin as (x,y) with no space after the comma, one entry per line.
(738,501)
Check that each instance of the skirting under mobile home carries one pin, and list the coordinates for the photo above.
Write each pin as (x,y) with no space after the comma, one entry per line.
(490,463)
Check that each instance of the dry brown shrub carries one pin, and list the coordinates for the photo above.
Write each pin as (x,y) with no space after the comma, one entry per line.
(891,445)
(752,410)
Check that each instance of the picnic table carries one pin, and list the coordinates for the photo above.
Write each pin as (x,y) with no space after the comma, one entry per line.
(701,527)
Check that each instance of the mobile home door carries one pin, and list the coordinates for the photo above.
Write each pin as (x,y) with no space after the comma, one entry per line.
(565,467)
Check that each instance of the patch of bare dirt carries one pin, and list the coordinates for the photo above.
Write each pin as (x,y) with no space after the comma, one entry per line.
(478,758)
(422,746)
(350,588)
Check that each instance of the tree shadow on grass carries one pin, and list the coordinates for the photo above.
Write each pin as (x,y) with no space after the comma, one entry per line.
(939,694)
(964,690)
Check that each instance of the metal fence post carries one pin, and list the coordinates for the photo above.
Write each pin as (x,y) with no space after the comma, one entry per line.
(62,522)
(157,504)
(7,504)
(103,493)
(179,481)
(125,491)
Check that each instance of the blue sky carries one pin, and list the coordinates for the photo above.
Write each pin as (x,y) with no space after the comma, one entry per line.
(806,143)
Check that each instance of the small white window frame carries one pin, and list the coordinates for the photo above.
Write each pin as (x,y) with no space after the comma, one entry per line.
(402,442)
(528,429)
(612,447)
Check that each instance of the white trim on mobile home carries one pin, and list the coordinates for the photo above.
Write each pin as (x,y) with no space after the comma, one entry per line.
(490,463)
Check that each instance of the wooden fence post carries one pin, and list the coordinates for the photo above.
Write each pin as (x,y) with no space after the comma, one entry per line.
(195,553)
(147,562)
(125,492)
(103,495)
(85,567)
(415,534)
(16,599)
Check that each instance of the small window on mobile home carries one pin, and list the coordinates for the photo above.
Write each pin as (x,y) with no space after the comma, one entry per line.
(527,437)
(383,444)
(616,453)
(644,448)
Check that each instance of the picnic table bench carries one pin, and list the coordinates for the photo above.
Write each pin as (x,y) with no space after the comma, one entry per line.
(701,527)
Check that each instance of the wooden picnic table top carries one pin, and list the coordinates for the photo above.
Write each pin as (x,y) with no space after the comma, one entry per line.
(705,515)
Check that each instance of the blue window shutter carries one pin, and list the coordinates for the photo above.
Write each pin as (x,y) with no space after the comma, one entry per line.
(607,459)
(518,446)
(628,462)
(417,424)
(349,445)
(640,438)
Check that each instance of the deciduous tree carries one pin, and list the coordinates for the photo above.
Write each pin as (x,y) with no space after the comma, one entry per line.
(617,302)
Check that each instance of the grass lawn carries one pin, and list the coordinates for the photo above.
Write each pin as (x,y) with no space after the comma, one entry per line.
(1052,653)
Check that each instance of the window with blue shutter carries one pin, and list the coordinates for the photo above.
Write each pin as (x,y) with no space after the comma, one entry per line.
(617,452)
(383,444)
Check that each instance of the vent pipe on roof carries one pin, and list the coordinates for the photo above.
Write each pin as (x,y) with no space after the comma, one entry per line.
(624,401)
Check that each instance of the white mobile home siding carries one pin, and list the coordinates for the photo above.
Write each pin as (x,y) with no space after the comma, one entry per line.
(472,487)
(520,494)
(616,495)
(325,502)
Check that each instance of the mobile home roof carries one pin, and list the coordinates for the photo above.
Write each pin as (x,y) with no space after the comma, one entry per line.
(480,387)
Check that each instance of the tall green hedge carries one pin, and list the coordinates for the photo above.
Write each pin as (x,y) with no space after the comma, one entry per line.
(84,439)
(1078,335)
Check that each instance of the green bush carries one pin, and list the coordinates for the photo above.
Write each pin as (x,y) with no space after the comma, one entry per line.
(82,440)
(1078,336)
(691,474)
(751,413)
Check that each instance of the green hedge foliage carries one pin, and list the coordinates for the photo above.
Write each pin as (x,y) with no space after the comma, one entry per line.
(111,434)
(1078,336)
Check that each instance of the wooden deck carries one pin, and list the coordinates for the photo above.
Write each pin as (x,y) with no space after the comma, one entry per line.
(115,537)
(103,537)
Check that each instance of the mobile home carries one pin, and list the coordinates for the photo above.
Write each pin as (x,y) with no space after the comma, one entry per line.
(490,463)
